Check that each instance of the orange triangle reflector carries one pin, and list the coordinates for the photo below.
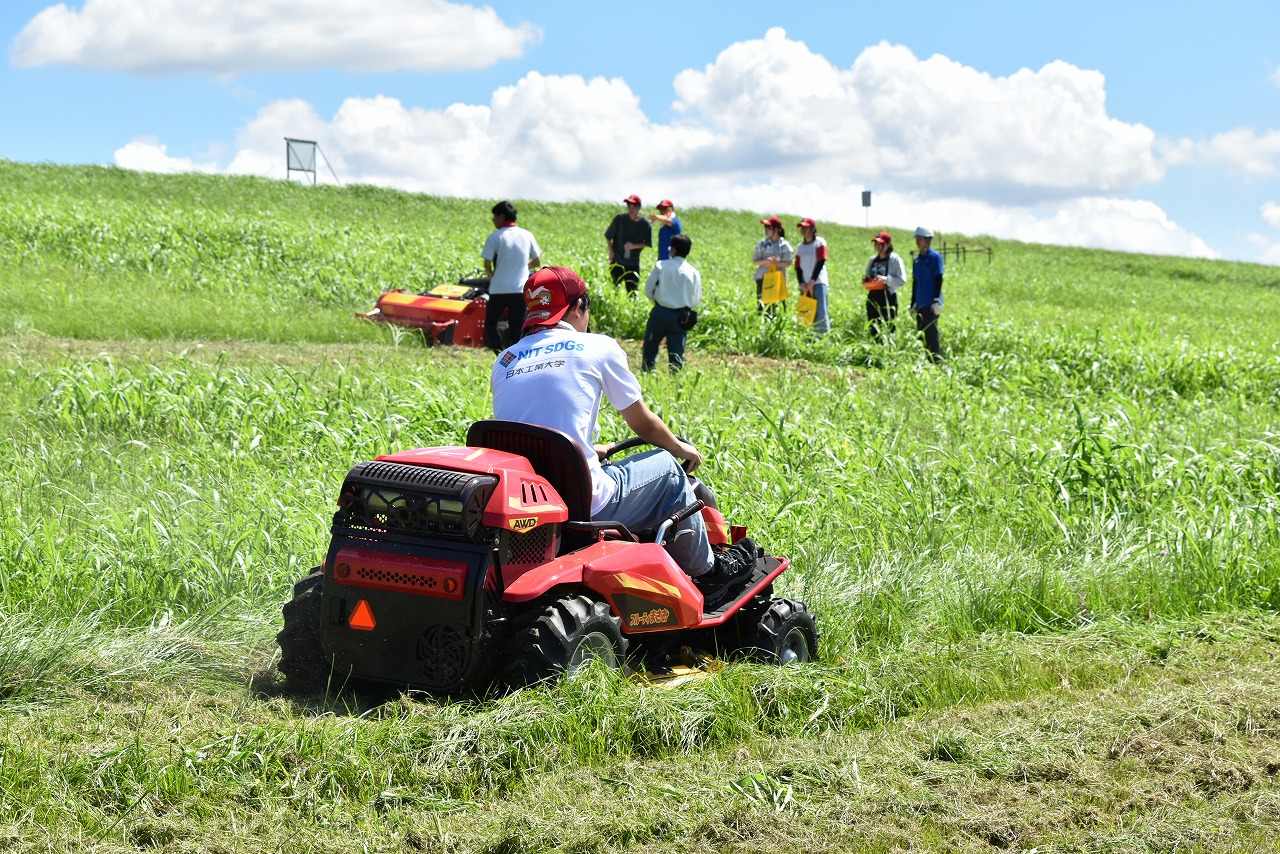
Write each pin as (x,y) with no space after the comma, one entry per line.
(362,617)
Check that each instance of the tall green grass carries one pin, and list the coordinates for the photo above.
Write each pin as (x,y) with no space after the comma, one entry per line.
(1098,461)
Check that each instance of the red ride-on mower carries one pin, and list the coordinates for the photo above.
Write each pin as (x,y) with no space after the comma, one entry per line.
(446,314)
(454,570)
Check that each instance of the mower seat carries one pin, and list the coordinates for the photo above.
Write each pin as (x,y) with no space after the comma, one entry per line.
(553,455)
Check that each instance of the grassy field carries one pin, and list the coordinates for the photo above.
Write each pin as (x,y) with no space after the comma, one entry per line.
(1047,576)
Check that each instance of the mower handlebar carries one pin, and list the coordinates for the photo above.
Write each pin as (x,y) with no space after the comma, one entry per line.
(601,529)
(675,519)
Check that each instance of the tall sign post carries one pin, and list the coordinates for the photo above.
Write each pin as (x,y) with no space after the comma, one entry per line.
(866,206)
(300,156)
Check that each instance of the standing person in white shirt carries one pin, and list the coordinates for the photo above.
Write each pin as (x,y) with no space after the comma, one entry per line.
(811,271)
(675,288)
(510,253)
(558,375)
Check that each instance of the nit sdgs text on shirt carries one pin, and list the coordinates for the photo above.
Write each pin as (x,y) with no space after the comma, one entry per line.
(519,357)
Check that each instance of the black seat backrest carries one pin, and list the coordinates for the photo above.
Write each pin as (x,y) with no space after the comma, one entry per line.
(552,453)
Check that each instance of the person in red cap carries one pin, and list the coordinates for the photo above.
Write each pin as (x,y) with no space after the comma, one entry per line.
(558,375)
(772,252)
(885,274)
(811,271)
(627,236)
(669,228)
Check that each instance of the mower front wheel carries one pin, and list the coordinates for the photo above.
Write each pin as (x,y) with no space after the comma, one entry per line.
(564,638)
(302,659)
(786,633)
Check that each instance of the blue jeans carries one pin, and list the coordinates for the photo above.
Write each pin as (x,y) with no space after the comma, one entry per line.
(821,321)
(663,323)
(650,487)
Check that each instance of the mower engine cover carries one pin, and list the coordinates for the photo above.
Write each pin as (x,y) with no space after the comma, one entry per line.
(417,558)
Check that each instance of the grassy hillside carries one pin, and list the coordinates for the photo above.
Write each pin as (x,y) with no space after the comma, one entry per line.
(1045,577)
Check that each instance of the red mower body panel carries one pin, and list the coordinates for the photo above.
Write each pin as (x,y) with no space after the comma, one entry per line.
(447,314)
(524,506)
(640,581)
(522,501)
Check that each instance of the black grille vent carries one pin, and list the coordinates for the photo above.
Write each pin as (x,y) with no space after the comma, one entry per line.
(442,654)
(398,578)
(532,548)
(419,477)
(380,497)
(533,493)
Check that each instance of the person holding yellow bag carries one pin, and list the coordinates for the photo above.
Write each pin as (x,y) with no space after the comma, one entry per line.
(772,255)
(811,272)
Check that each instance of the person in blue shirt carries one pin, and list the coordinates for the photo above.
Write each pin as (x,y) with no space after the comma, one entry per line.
(926,292)
(669,227)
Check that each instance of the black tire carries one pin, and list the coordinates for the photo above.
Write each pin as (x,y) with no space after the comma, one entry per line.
(302,658)
(561,639)
(786,634)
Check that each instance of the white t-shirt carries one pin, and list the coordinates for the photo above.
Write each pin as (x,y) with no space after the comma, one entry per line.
(808,254)
(510,249)
(557,379)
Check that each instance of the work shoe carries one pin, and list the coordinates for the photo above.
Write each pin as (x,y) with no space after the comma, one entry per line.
(731,564)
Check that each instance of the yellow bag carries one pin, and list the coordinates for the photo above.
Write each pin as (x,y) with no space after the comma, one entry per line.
(806,310)
(774,287)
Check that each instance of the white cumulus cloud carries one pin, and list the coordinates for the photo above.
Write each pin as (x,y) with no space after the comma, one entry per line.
(771,127)
(1271,213)
(1268,244)
(933,123)
(234,36)
(1243,151)
(148,155)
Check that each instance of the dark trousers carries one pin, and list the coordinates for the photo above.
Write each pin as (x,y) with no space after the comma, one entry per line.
(882,309)
(663,323)
(927,326)
(510,305)
(630,276)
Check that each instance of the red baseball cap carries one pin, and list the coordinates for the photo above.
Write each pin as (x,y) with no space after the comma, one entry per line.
(632,199)
(548,293)
(807,222)
(882,237)
(772,222)
(666,203)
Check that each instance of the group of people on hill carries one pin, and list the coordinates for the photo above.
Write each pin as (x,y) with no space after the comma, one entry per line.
(550,370)
(885,273)
(674,285)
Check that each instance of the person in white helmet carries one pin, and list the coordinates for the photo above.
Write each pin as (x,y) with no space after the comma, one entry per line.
(926,292)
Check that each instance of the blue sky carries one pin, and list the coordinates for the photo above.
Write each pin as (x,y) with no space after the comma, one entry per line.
(1140,126)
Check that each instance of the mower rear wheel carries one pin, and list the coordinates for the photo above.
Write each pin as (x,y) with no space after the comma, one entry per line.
(563,639)
(302,659)
(786,633)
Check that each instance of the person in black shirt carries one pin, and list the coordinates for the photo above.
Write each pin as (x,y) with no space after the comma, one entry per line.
(628,235)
